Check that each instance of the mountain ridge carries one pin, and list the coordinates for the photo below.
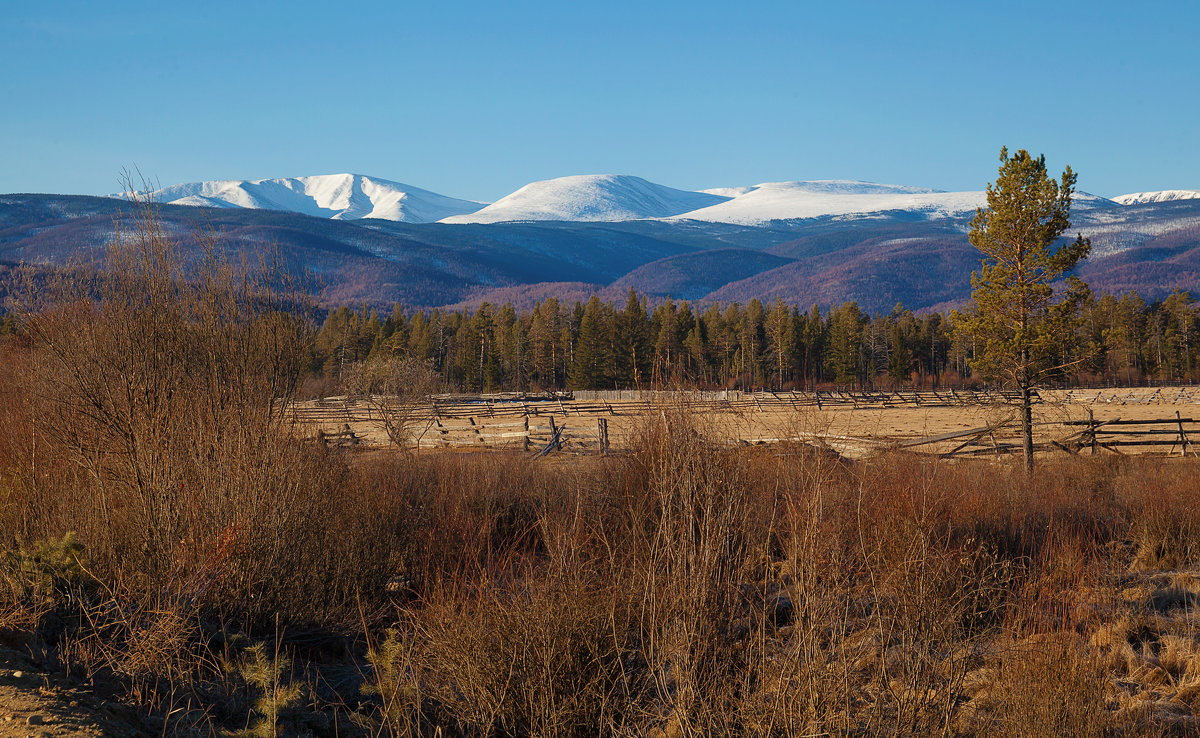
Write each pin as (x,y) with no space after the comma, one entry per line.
(336,196)
(876,259)
(611,198)
(1141,198)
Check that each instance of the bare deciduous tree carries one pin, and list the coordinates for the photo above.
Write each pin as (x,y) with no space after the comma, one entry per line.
(398,390)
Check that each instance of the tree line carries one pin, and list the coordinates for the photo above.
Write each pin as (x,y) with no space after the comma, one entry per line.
(638,345)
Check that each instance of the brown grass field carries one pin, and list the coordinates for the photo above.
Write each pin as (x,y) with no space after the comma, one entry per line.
(854,430)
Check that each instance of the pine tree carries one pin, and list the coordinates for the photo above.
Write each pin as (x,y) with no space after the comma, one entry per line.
(1020,322)
(845,343)
(589,370)
(812,337)
(666,343)
(781,334)
(633,342)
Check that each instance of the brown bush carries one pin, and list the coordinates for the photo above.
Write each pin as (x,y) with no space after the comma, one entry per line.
(146,418)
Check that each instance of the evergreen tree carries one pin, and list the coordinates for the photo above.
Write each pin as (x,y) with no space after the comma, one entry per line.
(420,340)
(696,346)
(1179,333)
(1018,319)
(751,339)
(633,342)
(812,337)
(780,333)
(543,337)
(589,370)
(723,336)
(845,343)
(667,345)
(899,354)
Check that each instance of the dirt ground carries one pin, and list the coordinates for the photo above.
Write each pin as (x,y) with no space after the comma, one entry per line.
(35,701)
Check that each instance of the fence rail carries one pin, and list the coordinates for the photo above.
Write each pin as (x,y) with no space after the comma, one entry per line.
(527,434)
(344,409)
(1169,433)
(580,421)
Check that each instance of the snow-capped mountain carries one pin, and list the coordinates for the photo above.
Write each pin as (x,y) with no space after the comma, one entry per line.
(876,257)
(622,198)
(793,200)
(596,198)
(339,196)
(771,201)
(1140,198)
(592,197)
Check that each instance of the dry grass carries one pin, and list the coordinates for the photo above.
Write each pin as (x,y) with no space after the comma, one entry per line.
(694,590)
(683,589)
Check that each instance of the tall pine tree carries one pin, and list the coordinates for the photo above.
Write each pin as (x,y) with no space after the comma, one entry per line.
(1020,322)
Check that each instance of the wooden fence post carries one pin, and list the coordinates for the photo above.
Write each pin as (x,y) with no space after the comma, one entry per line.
(602,434)
(1184,443)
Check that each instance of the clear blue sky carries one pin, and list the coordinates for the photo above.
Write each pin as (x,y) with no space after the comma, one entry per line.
(477,99)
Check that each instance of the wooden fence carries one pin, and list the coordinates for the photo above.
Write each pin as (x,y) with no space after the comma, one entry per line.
(580,422)
(563,421)
(342,409)
(594,403)
(1110,435)
(528,434)
(1166,435)
(629,402)
(1185,394)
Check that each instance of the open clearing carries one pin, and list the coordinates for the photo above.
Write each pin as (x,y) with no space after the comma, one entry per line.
(855,425)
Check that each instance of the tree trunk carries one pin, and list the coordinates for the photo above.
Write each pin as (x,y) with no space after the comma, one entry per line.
(1027,426)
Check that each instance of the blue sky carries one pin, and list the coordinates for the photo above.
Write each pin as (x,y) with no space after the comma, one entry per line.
(474,100)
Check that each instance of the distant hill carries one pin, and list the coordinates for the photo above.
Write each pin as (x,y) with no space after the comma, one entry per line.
(920,258)
(610,198)
(1141,198)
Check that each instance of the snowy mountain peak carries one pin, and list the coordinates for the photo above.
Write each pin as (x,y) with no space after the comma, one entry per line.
(849,187)
(825,187)
(1141,198)
(338,196)
(591,197)
(594,197)
(769,201)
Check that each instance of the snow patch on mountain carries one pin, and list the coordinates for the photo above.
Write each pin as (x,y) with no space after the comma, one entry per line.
(591,197)
(338,196)
(1141,198)
(813,199)
(794,200)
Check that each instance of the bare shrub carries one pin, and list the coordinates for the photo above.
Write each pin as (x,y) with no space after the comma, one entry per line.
(1046,686)
(542,658)
(1166,518)
(398,390)
(150,640)
(151,402)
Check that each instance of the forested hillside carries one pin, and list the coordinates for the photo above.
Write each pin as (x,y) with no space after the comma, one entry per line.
(634,344)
